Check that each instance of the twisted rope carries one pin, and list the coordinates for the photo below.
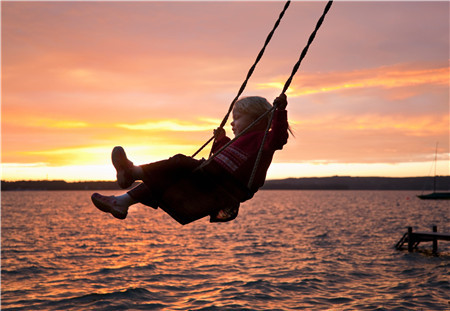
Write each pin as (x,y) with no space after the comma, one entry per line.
(249,74)
(285,88)
(305,49)
(272,110)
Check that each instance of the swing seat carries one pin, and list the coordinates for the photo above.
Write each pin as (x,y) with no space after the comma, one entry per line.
(194,197)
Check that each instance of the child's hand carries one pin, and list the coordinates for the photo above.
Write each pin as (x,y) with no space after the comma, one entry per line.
(280,102)
(219,133)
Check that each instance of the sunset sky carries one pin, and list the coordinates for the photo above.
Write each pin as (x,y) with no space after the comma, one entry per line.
(78,78)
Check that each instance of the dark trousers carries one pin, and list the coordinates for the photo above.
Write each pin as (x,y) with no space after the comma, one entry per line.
(161,175)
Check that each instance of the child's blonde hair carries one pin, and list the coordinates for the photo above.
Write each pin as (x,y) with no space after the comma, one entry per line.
(254,106)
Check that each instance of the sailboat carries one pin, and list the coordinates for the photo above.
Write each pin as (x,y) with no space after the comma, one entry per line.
(435,195)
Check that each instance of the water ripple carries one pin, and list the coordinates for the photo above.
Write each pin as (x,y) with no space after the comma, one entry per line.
(287,250)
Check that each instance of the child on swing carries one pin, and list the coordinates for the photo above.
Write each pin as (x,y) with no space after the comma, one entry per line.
(231,168)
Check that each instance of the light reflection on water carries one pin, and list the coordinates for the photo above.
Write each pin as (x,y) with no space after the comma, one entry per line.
(310,250)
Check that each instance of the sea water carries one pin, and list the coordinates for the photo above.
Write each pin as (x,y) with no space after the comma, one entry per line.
(287,250)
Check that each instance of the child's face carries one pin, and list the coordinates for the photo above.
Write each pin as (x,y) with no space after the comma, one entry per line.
(240,121)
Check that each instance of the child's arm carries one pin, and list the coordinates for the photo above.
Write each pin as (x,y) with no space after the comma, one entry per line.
(220,139)
(279,132)
(219,133)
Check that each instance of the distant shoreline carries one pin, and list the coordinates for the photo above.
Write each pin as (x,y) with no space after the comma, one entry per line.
(307,183)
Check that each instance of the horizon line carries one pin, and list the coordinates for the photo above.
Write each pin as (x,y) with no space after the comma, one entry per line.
(304,177)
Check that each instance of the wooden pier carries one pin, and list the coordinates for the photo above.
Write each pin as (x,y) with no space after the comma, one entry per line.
(414,238)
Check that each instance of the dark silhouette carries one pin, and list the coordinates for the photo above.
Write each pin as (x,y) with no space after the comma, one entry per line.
(189,189)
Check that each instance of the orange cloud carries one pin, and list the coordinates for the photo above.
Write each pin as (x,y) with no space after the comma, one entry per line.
(385,77)
(415,126)
(172,125)
(52,123)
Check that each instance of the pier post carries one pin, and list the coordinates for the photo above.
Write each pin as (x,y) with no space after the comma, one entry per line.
(410,240)
(435,242)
